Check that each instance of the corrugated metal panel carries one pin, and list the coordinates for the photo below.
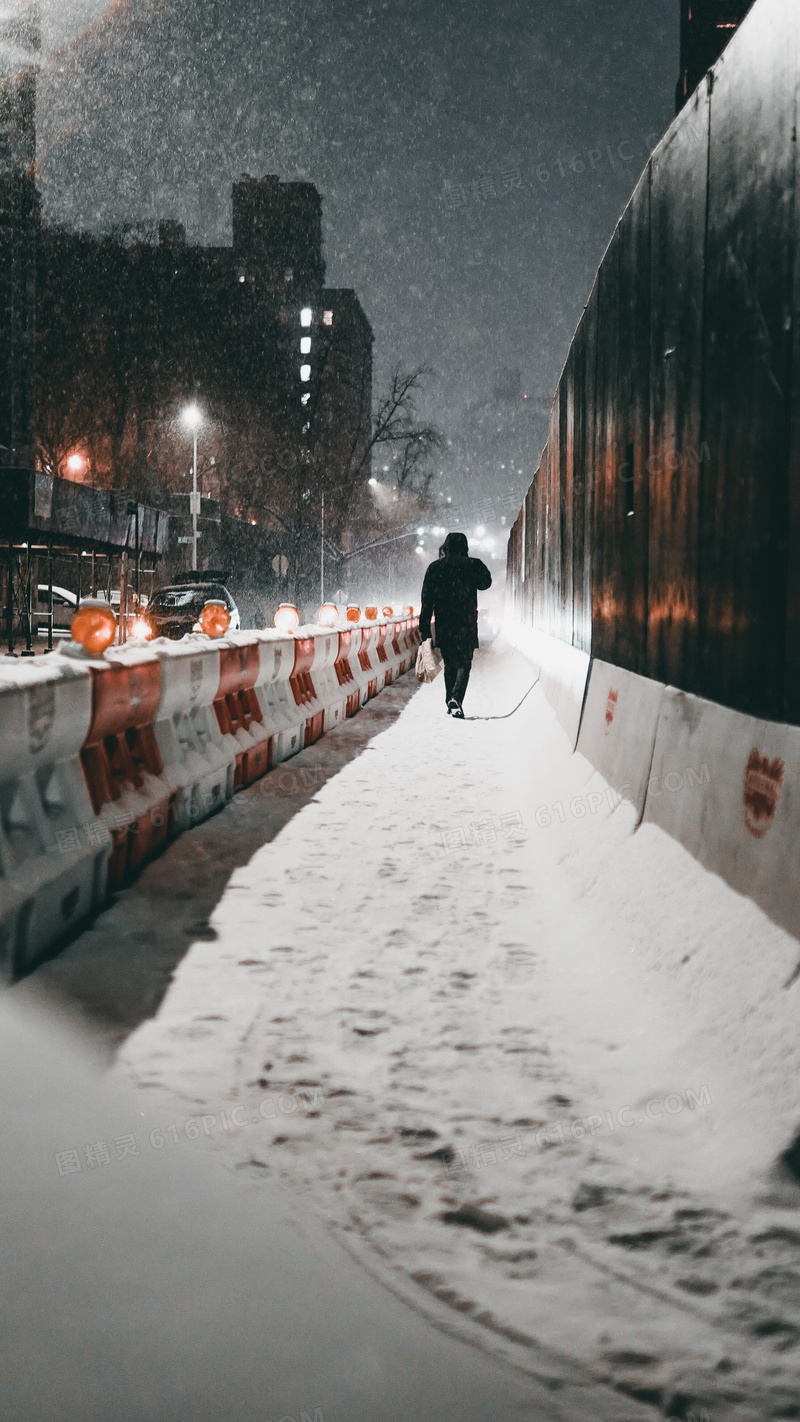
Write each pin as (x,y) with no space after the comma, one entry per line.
(681,375)
(747,348)
(678,228)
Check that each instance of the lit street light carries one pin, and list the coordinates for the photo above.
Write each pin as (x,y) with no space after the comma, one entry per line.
(192,417)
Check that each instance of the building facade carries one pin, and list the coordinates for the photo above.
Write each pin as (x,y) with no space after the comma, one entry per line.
(134,326)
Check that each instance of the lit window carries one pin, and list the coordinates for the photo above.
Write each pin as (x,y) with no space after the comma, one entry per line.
(305,345)
(288,274)
(305,316)
(304,399)
(305,372)
(241,278)
(327,318)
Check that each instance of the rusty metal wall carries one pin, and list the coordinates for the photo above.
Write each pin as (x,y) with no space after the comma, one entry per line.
(661,529)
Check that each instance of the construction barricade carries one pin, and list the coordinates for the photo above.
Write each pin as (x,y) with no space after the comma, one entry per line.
(53,853)
(197,762)
(106,757)
(122,761)
(283,713)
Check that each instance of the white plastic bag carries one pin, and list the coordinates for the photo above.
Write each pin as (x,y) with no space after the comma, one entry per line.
(429,661)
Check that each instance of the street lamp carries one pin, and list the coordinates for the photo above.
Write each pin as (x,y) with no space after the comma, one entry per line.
(192,417)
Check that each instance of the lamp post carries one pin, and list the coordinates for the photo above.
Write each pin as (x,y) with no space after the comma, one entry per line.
(193,417)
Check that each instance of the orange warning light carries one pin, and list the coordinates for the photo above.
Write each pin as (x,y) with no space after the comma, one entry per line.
(328,615)
(215,618)
(353,613)
(287,618)
(94,625)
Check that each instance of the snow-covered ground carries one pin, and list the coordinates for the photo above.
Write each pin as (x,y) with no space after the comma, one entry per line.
(542,1071)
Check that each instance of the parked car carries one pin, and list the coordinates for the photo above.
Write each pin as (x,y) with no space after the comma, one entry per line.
(173,611)
(64,607)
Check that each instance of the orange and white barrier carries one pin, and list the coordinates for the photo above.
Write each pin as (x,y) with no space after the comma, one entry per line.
(106,755)
(122,761)
(197,764)
(53,852)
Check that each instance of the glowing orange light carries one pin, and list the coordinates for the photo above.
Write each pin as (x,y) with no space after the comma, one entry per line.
(76,463)
(409,611)
(388,612)
(287,617)
(370,613)
(141,631)
(94,625)
(353,613)
(328,615)
(214,619)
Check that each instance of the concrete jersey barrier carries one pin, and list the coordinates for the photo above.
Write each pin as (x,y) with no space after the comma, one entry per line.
(618,728)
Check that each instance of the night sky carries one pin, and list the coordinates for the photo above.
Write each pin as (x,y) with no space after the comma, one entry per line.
(424,125)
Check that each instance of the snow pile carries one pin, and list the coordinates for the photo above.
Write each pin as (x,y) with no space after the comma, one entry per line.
(554,1061)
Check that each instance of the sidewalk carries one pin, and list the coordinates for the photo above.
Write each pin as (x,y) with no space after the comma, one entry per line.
(462,1033)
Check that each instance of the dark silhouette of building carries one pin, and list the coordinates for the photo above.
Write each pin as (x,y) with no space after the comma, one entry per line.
(135,325)
(706,28)
(19,223)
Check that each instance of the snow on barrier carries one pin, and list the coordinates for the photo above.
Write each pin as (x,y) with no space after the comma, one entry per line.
(103,759)
(53,854)
(739,810)
(618,728)
(563,672)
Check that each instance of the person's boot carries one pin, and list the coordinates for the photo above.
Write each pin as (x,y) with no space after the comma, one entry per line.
(454,709)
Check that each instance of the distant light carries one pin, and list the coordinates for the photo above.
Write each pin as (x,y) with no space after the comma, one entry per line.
(76,463)
(192,416)
(241,278)
(449,500)
(373,483)
(327,318)
(141,631)
(305,316)
(437,532)
(304,399)
(305,372)
(420,548)
(305,345)
(479,532)
(420,531)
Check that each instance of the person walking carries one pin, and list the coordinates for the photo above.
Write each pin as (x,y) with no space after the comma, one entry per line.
(450,598)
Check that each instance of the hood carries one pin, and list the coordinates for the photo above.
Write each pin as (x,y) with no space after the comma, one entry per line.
(456,546)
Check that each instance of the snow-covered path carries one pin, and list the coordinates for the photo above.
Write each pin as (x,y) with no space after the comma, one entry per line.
(519,1098)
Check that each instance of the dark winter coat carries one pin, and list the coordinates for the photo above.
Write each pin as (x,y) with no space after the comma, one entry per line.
(450,594)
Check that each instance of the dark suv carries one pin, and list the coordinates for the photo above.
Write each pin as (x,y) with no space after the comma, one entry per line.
(173,611)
